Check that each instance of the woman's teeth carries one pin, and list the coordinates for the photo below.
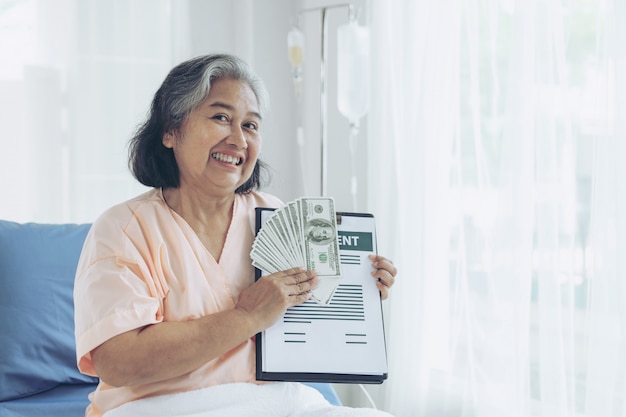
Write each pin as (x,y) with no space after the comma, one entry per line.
(226,158)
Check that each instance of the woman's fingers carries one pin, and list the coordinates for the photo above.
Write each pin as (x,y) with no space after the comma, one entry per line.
(302,283)
(269,297)
(296,281)
(385,272)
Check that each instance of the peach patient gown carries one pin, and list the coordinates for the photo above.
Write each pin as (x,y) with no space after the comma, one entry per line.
(143,264)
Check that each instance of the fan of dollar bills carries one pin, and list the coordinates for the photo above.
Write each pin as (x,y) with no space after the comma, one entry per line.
(301,233)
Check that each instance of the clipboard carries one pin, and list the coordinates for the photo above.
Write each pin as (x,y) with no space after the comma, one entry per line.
(342,342)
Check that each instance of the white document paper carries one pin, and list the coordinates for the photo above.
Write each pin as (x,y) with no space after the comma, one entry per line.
(342,341)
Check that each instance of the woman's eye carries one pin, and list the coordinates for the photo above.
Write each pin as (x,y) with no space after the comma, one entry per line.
(251,125)
(221,117)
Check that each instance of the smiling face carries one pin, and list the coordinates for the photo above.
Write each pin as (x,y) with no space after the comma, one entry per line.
(218,145)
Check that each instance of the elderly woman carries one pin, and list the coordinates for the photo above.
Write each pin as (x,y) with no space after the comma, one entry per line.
(165,295)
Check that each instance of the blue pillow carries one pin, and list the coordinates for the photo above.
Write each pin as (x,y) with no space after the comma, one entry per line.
(37,267)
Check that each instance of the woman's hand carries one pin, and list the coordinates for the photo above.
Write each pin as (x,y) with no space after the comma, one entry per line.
(385,272)
(269,297)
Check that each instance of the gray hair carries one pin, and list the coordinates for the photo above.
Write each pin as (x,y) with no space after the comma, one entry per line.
(189,83)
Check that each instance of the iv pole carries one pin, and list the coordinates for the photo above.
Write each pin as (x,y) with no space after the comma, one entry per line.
(323,94)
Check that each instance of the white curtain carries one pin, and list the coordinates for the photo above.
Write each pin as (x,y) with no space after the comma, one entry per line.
(76,78)
(497,141)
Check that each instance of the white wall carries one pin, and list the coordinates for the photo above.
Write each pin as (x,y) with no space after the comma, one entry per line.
(257,31)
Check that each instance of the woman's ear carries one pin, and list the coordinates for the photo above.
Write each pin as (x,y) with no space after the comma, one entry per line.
(168,140)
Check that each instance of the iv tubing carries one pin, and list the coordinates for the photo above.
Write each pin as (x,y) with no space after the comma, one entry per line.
(368,396)
(354,131)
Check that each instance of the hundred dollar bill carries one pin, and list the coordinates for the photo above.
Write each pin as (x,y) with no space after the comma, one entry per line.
(320,244)
(319,231)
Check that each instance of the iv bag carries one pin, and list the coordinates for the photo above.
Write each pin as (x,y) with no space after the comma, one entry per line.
(295,45)
(353,71)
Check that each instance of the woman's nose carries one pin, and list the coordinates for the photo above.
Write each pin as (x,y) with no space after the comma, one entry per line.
(237,138)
